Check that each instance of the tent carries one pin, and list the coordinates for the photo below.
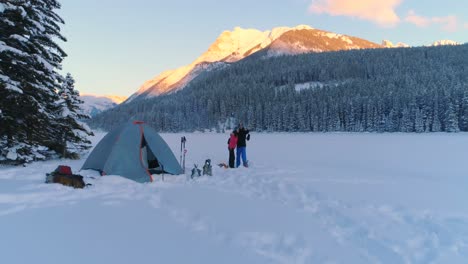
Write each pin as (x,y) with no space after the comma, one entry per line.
(134,151)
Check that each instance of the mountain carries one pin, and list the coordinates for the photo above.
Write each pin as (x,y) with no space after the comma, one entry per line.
(419,89)
(313,40)
(232,46)
(445,43)
(95,104)
(389,44)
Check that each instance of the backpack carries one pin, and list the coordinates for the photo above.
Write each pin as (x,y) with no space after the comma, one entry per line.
(63,175)
(195,171)
(65,170)
(207,169)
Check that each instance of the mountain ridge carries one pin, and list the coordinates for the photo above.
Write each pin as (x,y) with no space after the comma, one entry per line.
(95,104)
(232,46)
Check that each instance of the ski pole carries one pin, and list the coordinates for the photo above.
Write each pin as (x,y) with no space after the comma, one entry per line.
(181,142)
(185,151)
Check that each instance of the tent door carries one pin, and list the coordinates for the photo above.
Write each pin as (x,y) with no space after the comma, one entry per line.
(149,159)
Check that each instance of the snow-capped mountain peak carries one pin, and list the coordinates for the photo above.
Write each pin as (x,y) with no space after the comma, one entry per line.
(389,44)
(235,45)
(232,46)
(445,42)
(95,104)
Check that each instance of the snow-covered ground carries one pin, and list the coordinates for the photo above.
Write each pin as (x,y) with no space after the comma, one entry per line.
(307,198)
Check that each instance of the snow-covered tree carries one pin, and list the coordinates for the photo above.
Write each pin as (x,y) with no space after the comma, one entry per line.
(406,125)
(419,122)
(464,111)
(391,124)
(29,61)
(74,132)
(452,119)
(436,124)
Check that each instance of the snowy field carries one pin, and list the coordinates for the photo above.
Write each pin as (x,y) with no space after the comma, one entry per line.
(307,198)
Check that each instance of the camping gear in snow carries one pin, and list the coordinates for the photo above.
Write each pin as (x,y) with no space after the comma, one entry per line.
(207,169)
(62,169)
(134,151)
(195,171)
(182,151)
(63,175)
(223,165)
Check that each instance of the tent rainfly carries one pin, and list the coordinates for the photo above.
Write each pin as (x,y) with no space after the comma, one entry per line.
(134,151)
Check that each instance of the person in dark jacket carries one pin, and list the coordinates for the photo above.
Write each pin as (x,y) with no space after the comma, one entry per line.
(241,133)
(232,144)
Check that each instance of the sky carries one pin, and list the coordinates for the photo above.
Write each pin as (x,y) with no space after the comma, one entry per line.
(114,46)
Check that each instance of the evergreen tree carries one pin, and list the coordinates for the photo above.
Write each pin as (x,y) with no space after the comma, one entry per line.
(74,132)
(436,125)
(452,119)
(29,60)
(419,122)
(406,125)
(392,121)
(464,112)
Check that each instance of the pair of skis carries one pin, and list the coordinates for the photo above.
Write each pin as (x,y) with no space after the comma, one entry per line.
(183,151)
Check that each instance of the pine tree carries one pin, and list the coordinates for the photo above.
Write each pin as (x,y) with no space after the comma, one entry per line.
(29,60)
(351,124)
(405,123)
(259,115)
(74,132)
(436,125)
(452,119)
(427,119)
(392,121)
(464,112)
(419,122)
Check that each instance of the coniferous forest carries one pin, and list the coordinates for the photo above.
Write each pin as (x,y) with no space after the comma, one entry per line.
(422,89)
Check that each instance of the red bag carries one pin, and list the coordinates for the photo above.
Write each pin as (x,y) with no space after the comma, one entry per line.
(65,170)
(63,175)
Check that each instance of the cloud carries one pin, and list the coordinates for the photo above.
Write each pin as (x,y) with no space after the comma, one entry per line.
(381,12)
(448,23)
(465,26)
(417,20)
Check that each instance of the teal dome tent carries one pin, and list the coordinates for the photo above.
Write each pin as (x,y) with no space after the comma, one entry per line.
(134,151)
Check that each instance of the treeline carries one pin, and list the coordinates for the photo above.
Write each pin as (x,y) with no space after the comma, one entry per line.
(421,89)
